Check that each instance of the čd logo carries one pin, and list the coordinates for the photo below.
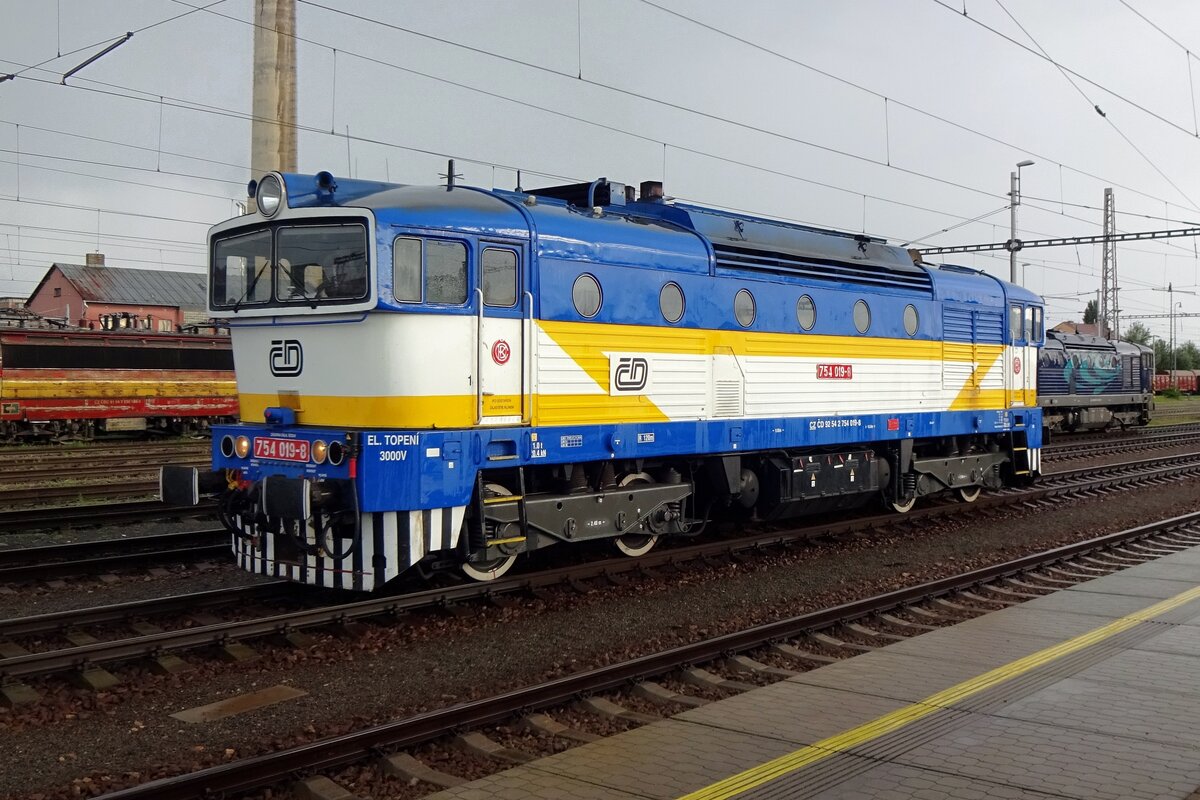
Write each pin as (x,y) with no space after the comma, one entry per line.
(631,374)
(287,358)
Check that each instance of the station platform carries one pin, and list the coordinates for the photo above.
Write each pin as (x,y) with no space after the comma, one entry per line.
(1089,692)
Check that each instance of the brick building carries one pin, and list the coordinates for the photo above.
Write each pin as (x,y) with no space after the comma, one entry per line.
(96,295)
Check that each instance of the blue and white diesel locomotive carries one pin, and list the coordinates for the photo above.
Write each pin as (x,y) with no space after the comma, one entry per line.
(447,377)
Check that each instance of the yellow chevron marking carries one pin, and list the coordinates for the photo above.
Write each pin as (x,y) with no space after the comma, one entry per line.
(900,718)
(971,395)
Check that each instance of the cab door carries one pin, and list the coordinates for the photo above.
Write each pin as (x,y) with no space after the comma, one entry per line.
(1015,363)
(1020,369)
(1034,336)
(503,309)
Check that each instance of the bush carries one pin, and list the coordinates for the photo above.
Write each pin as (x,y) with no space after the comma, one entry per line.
(1171,394)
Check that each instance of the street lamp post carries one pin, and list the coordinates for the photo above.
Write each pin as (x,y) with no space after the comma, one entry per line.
(1015,200)
(1174,349)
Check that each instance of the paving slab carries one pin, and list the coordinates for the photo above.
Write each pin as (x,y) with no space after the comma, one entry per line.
(664,760)
(1052,759)
(898,782)
(1113,606)
(900,676)
(1171,718)
(528,783)
(1150,671)
(772,711)
(1137,585)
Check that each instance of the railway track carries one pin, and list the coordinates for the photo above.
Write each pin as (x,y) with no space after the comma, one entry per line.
(101,556)
(31,495)
(1148,439)
(37,664)
(85,515)
(806,641)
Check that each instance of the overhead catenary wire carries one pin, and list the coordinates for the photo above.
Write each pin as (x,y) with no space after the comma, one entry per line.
(851,191)
(887,98)
(1096,106)
(625,131)
(213,109)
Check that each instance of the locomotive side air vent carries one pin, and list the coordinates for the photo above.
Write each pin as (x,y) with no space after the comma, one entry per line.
(778,262)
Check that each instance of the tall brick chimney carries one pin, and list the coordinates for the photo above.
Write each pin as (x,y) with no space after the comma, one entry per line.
(94,259)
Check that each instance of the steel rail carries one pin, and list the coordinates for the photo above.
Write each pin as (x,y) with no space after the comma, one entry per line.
(1085,449)
(123,612)
(26,519)
(264,770)
(77,657)
(39,493)
(24,475)
(141,550)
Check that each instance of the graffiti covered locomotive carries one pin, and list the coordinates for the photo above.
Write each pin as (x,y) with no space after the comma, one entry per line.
(448,377)
(1090,383)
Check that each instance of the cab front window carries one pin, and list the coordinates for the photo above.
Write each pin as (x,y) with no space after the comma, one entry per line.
(284,265)
(241,273)
(320,262)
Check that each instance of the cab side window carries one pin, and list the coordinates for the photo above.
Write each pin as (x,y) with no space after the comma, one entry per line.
(1038,331)
(499,277)
(1014,322)
(445,272)
(431,270)
(406,270)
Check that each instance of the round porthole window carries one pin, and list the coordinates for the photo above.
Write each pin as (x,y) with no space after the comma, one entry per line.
(743,308)
(670,302)
(585,293)
(806,312)
(862,316)
(911,320)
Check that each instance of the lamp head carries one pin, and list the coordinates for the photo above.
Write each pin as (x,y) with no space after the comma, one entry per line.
(1026,163)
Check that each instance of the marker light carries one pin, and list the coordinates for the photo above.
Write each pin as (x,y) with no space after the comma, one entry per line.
(227,446)
(319,449)
(242,446)
(337,452)
(270,195)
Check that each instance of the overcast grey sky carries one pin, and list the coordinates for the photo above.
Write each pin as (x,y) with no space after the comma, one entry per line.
(898,117)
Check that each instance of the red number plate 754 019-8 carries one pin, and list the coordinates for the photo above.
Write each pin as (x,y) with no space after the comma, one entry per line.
(281,449)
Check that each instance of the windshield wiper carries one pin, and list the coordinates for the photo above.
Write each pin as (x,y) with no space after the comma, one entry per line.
(300,290)
(250,289)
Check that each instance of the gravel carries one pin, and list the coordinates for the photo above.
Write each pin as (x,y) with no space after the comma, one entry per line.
(126,735)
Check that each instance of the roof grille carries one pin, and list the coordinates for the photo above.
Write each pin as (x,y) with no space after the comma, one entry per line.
(865,274)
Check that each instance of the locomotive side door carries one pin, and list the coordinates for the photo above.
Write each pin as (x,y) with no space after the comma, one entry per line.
(504,306)
(1020,373)
(1014,358)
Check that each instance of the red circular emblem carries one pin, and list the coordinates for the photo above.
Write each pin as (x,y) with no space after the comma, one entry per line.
(501,352)
(1016,365)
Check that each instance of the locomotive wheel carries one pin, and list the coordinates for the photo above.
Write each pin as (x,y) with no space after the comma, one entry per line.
(969,494)
(902,506)
(635,544)
(488,570)
(493,568)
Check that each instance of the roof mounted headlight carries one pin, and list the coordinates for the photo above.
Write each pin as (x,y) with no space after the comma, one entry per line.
(269,196)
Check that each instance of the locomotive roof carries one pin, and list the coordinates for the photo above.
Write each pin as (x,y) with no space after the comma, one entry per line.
(656,234)
(1084,341)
